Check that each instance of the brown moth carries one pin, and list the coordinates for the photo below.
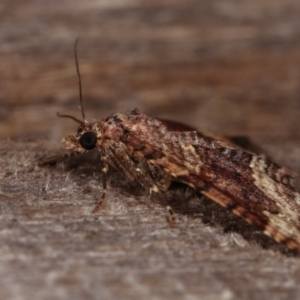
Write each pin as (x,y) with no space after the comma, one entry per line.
(155,152)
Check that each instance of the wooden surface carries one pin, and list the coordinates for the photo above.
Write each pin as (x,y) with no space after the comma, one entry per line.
(228,67)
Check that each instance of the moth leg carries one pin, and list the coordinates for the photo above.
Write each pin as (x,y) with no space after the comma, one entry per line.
(163,181)
(160,177)
(157,181)
(133,167)
(152,178)
(56,159)
(104,185)
(171,216)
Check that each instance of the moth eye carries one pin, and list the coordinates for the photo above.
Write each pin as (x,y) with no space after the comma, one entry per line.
(88,140)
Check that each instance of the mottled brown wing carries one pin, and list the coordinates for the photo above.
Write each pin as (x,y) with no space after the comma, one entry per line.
(238,141)
(252,186)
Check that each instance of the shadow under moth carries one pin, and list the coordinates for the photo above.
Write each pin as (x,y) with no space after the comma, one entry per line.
(156,152)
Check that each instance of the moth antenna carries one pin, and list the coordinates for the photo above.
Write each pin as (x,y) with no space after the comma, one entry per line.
(70,117)
(79,78)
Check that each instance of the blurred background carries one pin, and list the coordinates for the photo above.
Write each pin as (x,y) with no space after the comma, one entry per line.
(229,67)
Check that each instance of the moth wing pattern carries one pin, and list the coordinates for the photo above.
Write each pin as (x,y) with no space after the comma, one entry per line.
(161,178)
(252,186)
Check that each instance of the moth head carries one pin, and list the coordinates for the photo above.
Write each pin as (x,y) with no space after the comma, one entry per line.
(85,139)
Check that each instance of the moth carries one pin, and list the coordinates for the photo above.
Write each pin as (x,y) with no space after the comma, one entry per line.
(155,152)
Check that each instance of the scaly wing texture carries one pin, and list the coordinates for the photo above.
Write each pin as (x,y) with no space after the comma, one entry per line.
(252,186)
